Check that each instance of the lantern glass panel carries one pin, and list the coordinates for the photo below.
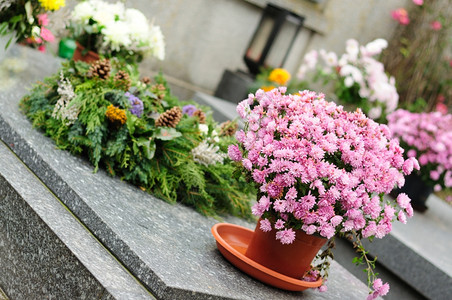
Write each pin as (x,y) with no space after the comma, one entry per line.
(259,41)
(283,42)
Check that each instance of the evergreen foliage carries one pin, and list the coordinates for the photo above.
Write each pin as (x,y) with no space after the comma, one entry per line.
(156,159)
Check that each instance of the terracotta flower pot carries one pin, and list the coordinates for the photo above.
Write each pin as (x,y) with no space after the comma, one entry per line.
(233,241)
(89,56)
(292,260)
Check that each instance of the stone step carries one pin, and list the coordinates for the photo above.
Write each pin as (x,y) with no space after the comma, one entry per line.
(169,248)
(45,252)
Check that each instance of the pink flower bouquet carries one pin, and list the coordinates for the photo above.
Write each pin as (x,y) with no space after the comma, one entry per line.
(321,169)
(428,137)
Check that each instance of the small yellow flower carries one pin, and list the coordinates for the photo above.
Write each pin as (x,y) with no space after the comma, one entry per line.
(280,76)
(268,88)
(52,4)
(116,114)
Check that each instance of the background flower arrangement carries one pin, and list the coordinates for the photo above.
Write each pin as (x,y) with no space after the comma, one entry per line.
(321,170)
(419,55)
(113,30)
(428,137)
(26,20)
(358,78)
(138,131)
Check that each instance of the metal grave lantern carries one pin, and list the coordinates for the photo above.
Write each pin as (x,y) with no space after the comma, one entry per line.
(273,38)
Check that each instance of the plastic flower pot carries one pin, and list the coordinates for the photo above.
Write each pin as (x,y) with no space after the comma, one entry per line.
(292,260)
(233,242)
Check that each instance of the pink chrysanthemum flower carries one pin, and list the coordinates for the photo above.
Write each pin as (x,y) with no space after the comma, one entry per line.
(265,225)
(320,168)
(286,236)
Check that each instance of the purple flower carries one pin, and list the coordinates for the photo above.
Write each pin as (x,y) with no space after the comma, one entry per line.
(136,103)
(189,109)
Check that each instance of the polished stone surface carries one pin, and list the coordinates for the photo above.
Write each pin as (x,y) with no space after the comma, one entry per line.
(169,248)
(45,253)
(222,110)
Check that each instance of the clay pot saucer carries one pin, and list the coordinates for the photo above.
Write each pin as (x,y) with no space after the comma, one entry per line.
(232,241)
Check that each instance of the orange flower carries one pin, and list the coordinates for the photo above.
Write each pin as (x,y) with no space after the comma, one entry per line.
(280,76)
(267,88)
(115,114)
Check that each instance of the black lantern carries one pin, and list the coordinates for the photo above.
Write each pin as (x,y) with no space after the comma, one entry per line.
(273,39)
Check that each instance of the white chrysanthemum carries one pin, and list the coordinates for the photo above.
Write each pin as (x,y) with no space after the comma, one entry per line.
(107,13)
(136,19)
(207,154)
(375,47)
(82,11)
(157,42)
(122,29)
(374,112)
(352,71)
(310,59)
(117,35)
(330,58)
(352,49)
(138,27)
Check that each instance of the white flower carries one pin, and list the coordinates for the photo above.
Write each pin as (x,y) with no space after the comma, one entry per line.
(117,35)
(310,59)
(348,81)
(343,60)
(82,11)
(302,72)
(137,24)
(375,112)
(352,49)
(364,92)
(107,13)
(207,154)
(375,47)
(204,128)
(354,72)
(120,28)
(157,42)
(63,109)
(331,59)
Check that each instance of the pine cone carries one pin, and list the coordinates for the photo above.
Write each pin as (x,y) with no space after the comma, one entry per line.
(228,128)
(169,118)
(159,89)
(122,80)
(146,80)
(101,69)
(200,115)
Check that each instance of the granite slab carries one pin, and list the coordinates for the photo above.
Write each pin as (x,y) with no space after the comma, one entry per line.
(45,253)
(169,248)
